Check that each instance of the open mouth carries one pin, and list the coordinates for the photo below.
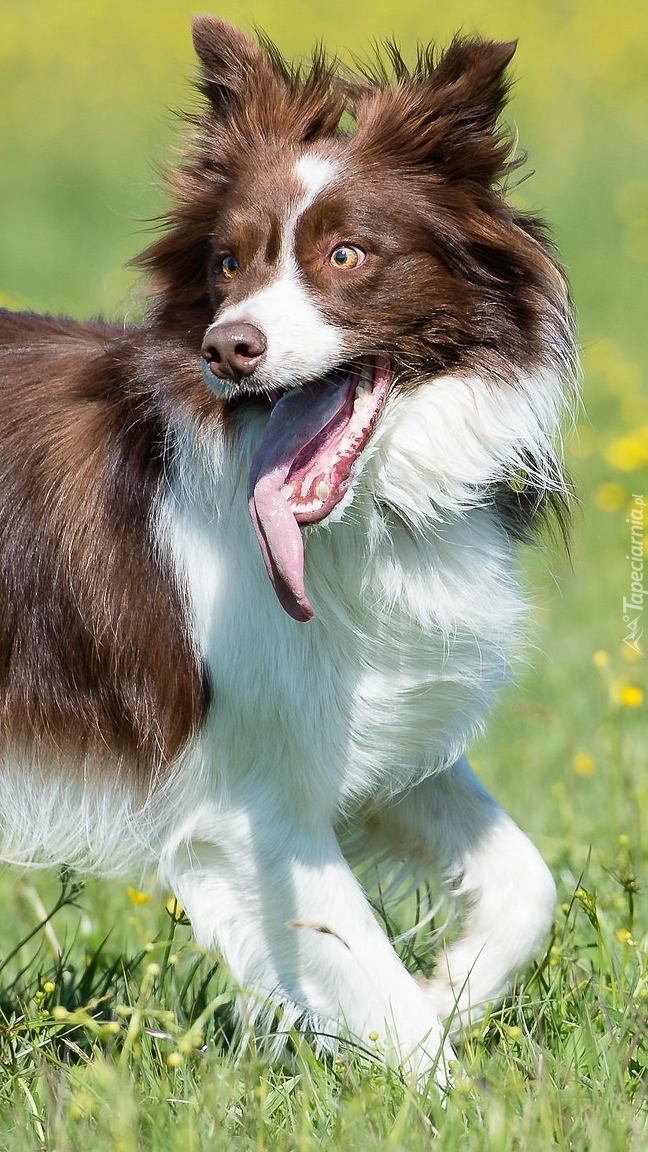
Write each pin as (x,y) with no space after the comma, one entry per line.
(305,464)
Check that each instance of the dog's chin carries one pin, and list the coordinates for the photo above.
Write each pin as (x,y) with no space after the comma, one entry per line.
(237,391)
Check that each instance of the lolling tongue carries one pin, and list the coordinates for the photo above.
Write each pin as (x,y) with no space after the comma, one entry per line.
(304,465)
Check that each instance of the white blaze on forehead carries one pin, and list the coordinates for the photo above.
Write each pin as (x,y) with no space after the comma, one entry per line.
(301,343)
(315,173)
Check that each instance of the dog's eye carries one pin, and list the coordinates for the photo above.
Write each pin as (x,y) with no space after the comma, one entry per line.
(229,267)
(347,256)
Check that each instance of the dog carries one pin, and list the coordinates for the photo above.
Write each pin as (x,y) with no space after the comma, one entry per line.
(257,574)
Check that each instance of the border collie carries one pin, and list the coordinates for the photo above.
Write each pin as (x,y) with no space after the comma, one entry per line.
(257,585)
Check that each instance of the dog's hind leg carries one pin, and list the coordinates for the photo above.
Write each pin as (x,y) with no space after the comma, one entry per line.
(282,906)
(449,827)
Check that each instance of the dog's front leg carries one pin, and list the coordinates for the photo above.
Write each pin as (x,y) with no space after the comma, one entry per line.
(293,925)
(449,827)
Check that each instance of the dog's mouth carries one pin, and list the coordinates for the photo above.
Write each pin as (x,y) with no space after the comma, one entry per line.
(305,463)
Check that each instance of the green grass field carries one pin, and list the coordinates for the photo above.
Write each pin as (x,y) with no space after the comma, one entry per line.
(115,1030)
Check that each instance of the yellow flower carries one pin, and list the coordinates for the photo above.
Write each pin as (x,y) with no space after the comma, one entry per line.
(583,763)
(49,986)
(624,937)
(601,658)
(174,908)
(137,897)
(627,453)
(630,695)
(610,496)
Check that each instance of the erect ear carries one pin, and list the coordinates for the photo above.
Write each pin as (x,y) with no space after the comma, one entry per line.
(231,62)
(470,76)
(298,103)
(445,115)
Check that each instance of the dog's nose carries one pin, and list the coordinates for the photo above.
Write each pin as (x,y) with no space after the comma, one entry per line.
(233,350)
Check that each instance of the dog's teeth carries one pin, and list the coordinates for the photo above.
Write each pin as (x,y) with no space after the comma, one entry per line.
(287,491)
(322,490)
(362,394)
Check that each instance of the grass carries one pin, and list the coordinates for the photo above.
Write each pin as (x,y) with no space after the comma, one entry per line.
(115,1030)
(131,1047)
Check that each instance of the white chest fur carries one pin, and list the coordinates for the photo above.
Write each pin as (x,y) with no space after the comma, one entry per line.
(312,723)
(411,631)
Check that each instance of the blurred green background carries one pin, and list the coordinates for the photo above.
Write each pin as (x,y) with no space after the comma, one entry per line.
(86,88)
(85,92)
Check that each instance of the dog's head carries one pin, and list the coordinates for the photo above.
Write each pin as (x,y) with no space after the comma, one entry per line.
(343,239)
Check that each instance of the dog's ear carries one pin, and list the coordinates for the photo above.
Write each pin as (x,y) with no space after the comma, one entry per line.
(231,62)
(470,78)
(240,75)
(443,115)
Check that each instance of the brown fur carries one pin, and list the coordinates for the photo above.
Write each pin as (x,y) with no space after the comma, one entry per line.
(256,103)
(422,188)
(93,648)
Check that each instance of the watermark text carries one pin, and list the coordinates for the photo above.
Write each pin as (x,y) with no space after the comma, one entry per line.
(633,605)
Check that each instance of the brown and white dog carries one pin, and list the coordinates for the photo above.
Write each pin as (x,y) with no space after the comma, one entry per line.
(350,382)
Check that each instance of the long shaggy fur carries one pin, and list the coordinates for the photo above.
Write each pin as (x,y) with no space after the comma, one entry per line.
(158,706)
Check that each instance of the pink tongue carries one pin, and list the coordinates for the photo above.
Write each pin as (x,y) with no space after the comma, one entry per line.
(302,468)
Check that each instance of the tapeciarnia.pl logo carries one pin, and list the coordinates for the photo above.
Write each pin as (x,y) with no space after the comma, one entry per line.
(633,605)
